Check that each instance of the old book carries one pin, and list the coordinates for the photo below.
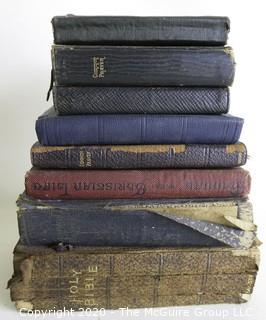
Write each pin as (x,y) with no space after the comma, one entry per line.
(132,30)
(192,222)
(87,277)
(142,66)
(138,156)
(164,100)
(137,184)
(120,129)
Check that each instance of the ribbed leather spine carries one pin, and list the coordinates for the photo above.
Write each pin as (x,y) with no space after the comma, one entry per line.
(118,129)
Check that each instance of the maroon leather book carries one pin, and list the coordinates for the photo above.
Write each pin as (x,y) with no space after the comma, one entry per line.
(137,184)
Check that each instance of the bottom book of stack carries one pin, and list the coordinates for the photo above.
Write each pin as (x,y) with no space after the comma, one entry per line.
(65,277)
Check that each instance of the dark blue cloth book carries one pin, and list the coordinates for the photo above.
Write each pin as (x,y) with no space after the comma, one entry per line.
(164,222)
(136,129)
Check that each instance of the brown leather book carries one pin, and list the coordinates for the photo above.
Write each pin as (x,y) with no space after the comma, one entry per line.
(89,277)
(137,184)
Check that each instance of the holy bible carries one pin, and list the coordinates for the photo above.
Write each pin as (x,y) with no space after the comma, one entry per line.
(86,277)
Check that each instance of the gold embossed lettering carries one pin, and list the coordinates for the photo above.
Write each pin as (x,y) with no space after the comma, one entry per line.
(90,302)
(73,289)
(98,67)
(81,158)
(78,284)
(88,159)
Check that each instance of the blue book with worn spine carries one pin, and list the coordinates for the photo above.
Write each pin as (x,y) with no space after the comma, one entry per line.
(147,222)
(118,129)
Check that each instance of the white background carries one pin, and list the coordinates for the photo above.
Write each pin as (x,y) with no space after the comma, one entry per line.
(26,37)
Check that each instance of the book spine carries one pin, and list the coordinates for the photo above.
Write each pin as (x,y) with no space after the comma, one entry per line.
(142,66)
(137,184)
(103,280)
(140,261)
(119,129)
(164,100)
(140,30)
(43,226)
(138,156)
(137,222)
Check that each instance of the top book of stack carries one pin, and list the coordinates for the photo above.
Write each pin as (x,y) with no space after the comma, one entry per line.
(136,65)
(141,51)
(93,30)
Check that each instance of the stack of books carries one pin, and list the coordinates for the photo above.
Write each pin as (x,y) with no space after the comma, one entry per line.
(136,197)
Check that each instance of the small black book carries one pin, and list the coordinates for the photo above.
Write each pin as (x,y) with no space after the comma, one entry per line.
(164,100)
(132,30)
(142,66)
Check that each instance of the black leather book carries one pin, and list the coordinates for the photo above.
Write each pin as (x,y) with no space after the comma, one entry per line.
(142,66)
(72,29)
(167,100)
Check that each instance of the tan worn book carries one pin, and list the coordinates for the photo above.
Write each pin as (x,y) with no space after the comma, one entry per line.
(104,277)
